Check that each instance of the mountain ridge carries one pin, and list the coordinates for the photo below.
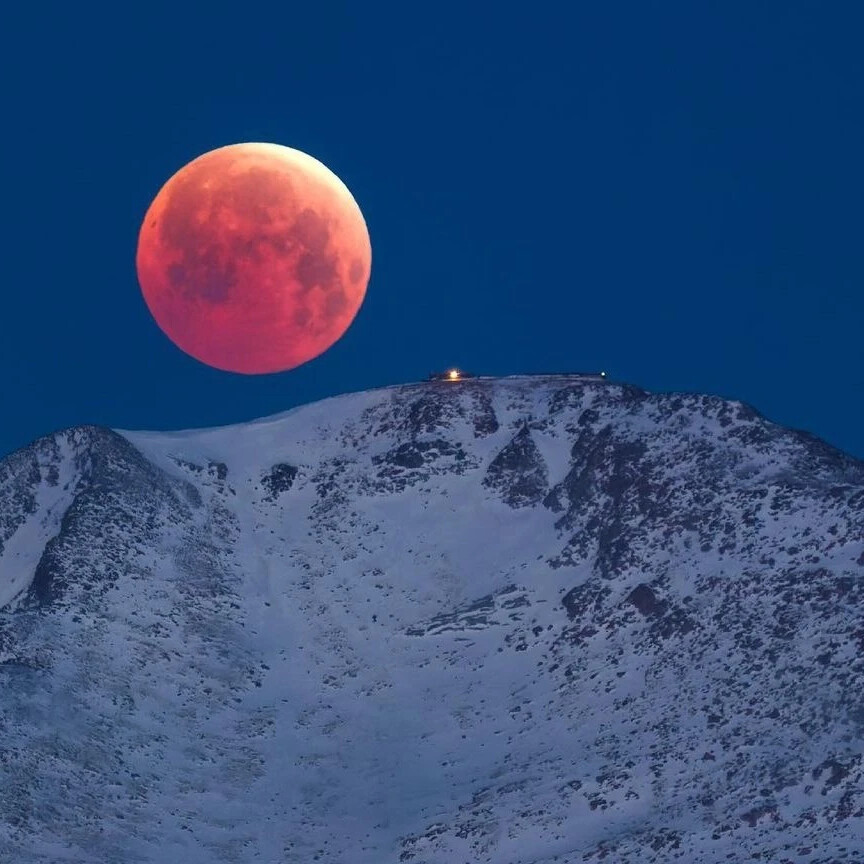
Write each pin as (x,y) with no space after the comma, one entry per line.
(538,618)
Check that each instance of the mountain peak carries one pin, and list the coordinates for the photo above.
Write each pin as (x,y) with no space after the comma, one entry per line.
(533,619)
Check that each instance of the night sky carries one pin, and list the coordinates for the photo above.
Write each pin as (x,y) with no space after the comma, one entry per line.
(672,192)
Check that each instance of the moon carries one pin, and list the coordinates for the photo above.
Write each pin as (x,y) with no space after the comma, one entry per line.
(254,258)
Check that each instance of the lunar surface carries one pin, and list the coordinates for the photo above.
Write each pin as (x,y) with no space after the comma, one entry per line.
(254,258)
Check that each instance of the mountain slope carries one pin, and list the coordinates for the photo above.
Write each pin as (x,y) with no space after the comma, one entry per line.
(524,620)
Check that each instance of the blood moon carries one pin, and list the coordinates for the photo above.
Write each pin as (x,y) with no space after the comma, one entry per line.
(254,258)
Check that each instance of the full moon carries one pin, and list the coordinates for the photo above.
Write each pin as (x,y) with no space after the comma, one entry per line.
(254,258)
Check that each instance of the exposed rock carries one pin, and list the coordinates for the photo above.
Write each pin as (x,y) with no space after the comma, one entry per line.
(280,478)
(518,473)
(645,601)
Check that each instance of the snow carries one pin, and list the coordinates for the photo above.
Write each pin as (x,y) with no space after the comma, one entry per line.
(375,664)
(23,549)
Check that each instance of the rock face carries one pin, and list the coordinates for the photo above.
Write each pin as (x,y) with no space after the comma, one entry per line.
(522,620)
(518,473)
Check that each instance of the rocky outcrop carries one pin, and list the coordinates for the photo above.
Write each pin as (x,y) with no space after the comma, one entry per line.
(518,473)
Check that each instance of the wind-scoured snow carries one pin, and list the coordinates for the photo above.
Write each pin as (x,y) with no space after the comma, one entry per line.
(498,621)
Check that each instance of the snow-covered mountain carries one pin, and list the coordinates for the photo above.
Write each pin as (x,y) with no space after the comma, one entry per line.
(521,621)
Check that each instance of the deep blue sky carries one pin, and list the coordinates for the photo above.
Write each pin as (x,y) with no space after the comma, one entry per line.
(671,191)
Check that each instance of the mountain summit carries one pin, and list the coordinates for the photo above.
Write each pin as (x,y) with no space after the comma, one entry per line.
(495,621)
